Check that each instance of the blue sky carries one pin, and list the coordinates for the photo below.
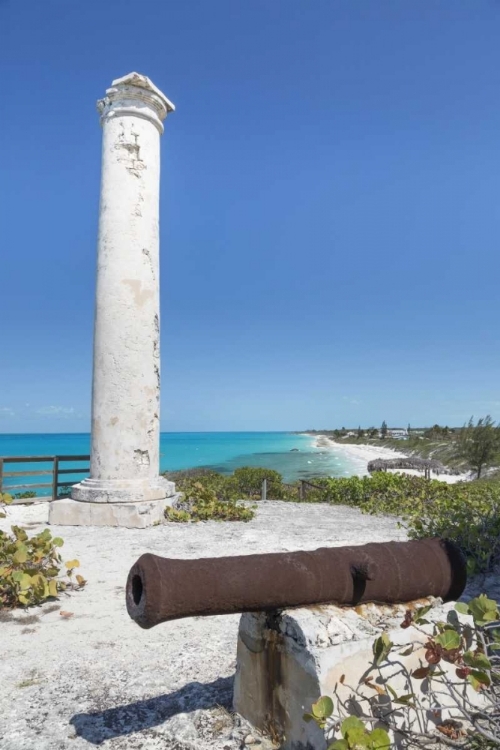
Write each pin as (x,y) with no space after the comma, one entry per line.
(330,208)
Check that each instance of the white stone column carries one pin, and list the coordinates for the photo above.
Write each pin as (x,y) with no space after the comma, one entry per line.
(124,465)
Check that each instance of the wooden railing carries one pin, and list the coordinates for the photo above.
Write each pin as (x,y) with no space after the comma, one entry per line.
(304,485)
(264,489)
(302,489)
(54,472)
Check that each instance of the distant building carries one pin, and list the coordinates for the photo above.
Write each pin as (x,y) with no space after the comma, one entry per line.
(397,433)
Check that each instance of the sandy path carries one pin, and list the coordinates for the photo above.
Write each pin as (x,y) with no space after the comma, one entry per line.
(98,679)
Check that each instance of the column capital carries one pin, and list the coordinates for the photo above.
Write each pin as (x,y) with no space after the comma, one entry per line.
(137,96)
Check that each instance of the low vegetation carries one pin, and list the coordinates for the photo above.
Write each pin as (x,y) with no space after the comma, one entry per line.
(208,496)
(30,567)
(245,483)
(24,495)
(458,661)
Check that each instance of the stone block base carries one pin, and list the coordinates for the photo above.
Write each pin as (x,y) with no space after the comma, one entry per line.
(138,515)
(287,660)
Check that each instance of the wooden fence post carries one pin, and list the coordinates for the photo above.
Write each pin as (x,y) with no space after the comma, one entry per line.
(263,495)
(55,477)
(302,490)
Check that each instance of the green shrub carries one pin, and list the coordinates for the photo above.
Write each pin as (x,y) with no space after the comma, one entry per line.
(249,479)
(315,490)
(467,514)
(30,566)
(201,503)
(24,495)
(188,474)
(5,499)
(224,486)
(383,492)
(178,516)
(244,484)
(355,734)
(346,491)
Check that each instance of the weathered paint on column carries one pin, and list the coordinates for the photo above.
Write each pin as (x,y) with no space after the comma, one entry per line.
(126,374)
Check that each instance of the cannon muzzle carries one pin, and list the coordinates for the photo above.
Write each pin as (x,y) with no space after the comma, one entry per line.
(161,589)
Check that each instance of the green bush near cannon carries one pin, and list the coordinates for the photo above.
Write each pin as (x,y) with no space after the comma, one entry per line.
(30,567)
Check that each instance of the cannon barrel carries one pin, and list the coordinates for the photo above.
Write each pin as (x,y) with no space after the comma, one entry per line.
(160,589)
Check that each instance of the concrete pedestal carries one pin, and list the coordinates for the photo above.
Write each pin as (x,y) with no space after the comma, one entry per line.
(130,515)
(286,661)
(138,515)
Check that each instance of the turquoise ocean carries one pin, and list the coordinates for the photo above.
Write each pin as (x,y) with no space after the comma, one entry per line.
(294,456)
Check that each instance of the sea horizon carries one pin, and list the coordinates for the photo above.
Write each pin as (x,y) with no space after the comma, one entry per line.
(295,455)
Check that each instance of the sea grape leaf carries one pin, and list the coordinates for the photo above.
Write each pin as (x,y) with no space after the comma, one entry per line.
(379,739)
(477,661)
(323,708)
(381,648)
(352,723)
(448,639)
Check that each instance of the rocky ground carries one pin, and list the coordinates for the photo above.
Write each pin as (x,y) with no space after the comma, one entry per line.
(95,678)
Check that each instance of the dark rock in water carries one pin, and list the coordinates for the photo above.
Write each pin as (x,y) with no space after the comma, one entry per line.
(294,450)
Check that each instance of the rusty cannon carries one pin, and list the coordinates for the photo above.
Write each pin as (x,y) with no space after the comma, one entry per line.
(161,589)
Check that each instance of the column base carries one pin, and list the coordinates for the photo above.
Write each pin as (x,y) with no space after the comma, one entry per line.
(113,502)
(137,515)
(121,490)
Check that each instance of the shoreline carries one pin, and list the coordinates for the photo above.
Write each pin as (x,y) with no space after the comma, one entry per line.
(364,453)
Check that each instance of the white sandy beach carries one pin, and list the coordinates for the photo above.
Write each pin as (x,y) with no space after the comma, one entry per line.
(363,454)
